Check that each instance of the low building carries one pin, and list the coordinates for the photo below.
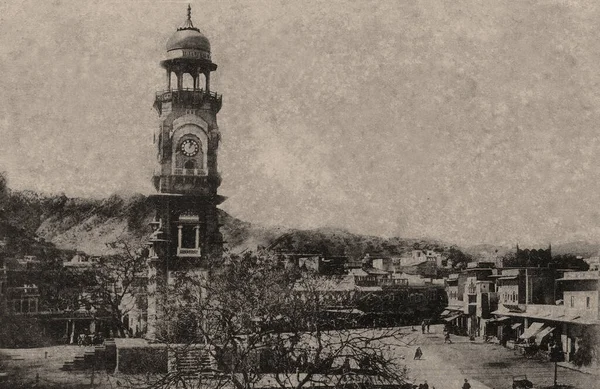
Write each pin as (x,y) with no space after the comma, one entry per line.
(82,261)
(22,299)
(567,322)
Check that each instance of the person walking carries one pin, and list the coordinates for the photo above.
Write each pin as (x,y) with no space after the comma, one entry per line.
(466,385)
(447,337)
(418,353)
(423,325)
(428,325)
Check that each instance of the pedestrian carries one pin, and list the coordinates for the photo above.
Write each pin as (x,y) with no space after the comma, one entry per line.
(466,385)
(423,325)
(428,325)
(425,385)
(418,353)
(447,338)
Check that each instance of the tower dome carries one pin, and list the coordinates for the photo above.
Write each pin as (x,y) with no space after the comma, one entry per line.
(188,37)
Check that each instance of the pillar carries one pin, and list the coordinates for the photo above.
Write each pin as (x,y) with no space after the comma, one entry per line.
(179,235)
(179,80)
(168,79)
(67,330)
(565,341)
(73,327)
(197,228)
(207,77)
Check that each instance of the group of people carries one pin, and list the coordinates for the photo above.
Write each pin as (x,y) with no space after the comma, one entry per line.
(425,385)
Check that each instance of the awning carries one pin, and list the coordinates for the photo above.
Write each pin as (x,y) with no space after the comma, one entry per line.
(543,333)
(451,317)
(445,313)
(532,331)
(516,325)
(502,318)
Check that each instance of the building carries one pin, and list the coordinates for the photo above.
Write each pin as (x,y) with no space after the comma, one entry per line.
(568,321)
(186,178)
(81,261)
(526,285)
(22,299)
(372,297)
(594,263)
(471,298)
(384,263)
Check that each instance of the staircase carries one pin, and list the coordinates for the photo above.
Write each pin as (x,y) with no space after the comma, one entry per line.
(192,361)
(95,358)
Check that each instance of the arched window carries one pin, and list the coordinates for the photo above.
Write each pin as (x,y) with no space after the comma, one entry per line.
(188,81)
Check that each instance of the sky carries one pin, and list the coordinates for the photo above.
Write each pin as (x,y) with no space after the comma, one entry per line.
(467,121)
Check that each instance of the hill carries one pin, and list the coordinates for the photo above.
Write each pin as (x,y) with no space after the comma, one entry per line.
(90,225)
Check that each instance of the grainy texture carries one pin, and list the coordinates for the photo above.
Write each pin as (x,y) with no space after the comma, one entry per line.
(468,121)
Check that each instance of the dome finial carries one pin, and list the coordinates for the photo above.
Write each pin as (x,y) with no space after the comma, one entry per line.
(188,25)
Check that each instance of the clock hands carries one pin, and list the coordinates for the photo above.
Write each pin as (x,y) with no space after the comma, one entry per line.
(189,148)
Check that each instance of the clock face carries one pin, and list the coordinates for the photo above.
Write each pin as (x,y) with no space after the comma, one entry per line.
(189,147)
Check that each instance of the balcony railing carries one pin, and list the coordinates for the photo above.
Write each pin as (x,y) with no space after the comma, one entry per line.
(189,172)
(188,98)
(394,282)
(183,252)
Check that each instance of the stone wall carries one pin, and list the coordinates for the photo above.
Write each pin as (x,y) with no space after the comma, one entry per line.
(136,356)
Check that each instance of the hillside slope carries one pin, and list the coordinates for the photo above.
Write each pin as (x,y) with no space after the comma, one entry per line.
(90,225)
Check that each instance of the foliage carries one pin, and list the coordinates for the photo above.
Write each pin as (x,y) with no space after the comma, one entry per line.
(21,331)
(258,319)
(117,278)
(569,261)
(458,259)
(588,348)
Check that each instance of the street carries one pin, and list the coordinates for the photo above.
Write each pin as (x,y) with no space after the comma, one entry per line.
(485,365)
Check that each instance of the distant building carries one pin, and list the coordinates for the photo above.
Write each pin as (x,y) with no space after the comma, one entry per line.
(22,299)
(533,257)
(593,262)
(526,285)
(384,263)
(567,322)
(471,298)
(81,260)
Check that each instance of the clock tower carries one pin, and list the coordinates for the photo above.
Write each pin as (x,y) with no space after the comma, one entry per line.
(186,227)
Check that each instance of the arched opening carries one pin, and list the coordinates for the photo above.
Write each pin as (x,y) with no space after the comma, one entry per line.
(188,81)
(191,164)
(200,81)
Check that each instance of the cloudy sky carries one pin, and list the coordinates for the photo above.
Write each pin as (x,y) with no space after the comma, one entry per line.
(470,121)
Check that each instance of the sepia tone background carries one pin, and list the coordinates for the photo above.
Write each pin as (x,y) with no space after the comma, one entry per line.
(468,121)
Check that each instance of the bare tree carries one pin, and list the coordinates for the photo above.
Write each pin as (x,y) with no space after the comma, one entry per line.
(260,324)
(117,279)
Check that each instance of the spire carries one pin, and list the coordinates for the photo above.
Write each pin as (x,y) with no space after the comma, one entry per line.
(188,25)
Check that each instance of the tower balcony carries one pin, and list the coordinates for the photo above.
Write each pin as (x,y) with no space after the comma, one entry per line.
(190,172)
(187,98)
